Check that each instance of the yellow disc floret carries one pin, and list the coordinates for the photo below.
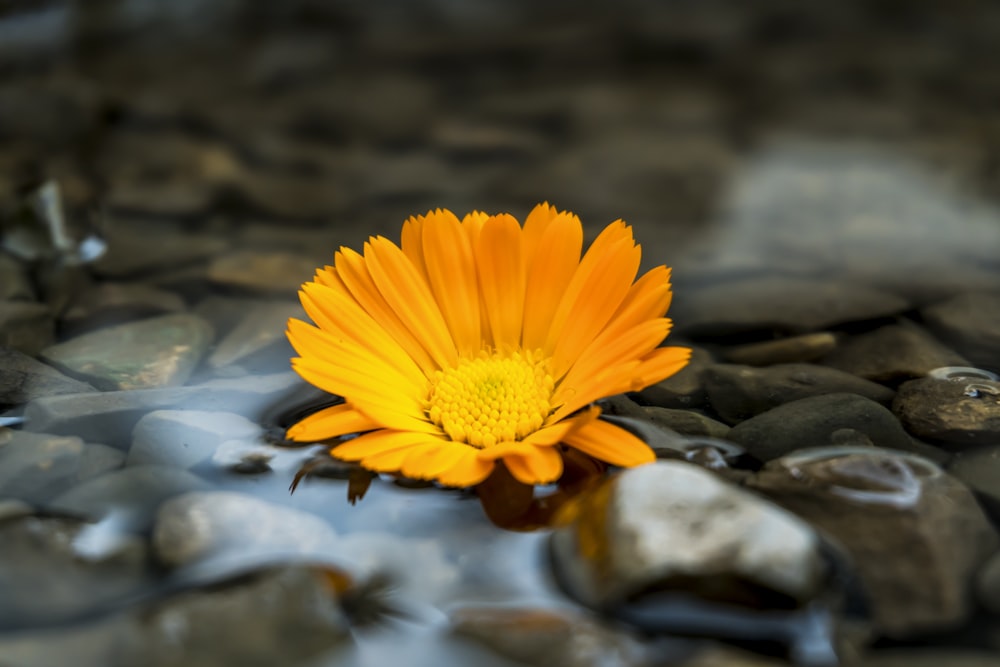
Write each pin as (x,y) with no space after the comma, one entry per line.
(491,398)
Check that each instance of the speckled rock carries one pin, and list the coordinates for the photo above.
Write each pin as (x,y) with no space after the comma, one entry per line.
(793,349)
(893,353)
(737,392)
(960,412)
(971,324)
(24,379)
(185,438)
(157,352)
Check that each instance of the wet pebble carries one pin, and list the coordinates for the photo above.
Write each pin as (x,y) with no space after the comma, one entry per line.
(261,325)
(686,422)
(979,469)
(929,657)
(34,467)
(185,438)
(893,353)
(113,303)
(959,411)
(23,379)
(25,326)
(816,421)
(988,584)
(236,527)
(971,324)
(137,248)
(684,389)
(14,282)
(793,349)
(261,272)
(737,393)
(760,304)
(547,637)
(156,352)
(879,504)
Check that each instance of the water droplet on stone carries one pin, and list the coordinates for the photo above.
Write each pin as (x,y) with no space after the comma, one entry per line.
(962,373)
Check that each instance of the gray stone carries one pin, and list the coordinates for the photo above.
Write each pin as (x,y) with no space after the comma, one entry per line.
(24,379)
(979,469)
(767,304)
(136,247)
(988,584)
(684,389)
(225,524)
(14,282)
(25,326)
(879,505)
(109,417)
(674,526)
(813,422)
(113,303)
(929,657)
(960,411)
(686,422)
(793,349)
(34,467)
(185,438)
(262,272)
(547,637)
(971,324)
(893,353)
(156,352)
(737,393)
(98,459)
(262,324)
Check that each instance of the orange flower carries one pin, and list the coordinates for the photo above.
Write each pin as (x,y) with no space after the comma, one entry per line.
(477,341)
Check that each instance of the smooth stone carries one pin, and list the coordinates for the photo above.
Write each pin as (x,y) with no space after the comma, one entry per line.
(14,282)
(971,324)
(684,389)
(979,469)
(988,584)
(23,379)
(672,526)
(114,303)
(737,393)
(109,417)
(790,350)
(25,326)
(99,459)
(289,615)
(929,657)
(136,247)
(960,411)
(227,524)
(156,352)
(185,438)
(813,422)
(262,325)
(261,272)
(892,353)
(686,422)
(915,534)
(799,305)
(12,508)
(547,637)
(34,467)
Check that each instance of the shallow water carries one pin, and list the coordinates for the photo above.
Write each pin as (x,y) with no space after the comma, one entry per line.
(803,170)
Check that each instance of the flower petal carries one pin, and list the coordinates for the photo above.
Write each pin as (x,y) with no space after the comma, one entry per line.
(549,275)
(430,463)
(411,241)
(553,435)
(381,441)
(468,470)
(451,270)
(610,444)
(330,422)
(500,259)
(542,465)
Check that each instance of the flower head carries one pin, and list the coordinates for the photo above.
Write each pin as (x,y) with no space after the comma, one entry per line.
(478,341)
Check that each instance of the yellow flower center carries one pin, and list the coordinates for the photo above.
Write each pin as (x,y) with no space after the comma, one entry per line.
(491,398)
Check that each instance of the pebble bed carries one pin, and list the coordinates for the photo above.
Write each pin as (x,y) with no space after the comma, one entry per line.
(821,178)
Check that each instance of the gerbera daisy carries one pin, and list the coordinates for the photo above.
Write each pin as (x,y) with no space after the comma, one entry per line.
(478,341)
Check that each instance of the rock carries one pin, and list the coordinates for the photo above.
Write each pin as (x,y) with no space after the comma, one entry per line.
(684,389)
(915,534)
(109,417)
(288,615)
(136,247)
(156,352)
(892,353)
(14,282)
(971,324)
(97,460)
(26,327)
(671,526)
(230,525)
(813,422)
(959,412)
(114,303)
(758,304)
(24,379)
(988,584)
(419,567)
(686,422)
(547,637)
(737,393)
(262,325)
(928,657)
(185,438)
(34,467)
(793,349)
(262,272)
(979,469)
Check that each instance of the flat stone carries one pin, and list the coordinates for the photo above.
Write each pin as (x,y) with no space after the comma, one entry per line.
(737,393)
(817,421)
(686,422)
(554,637)
(114,303)
(758,304)
(222,524)
(136,248)
(684,389)
(674,526)
(185,438)
(157,352)
(929,657)
(109,417)
(25,326)
(97,460)
(23,379)
(261,272)
(971,324)
(793,349)
(34,467)
(960,411)
(979,469)
(14,282)
(262,325)
(880,504)
(893,353)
